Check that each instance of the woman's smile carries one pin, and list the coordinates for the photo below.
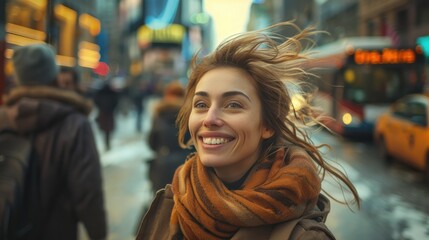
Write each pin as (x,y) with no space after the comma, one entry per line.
(215,141)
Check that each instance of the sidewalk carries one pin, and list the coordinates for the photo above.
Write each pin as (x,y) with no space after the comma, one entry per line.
(126,186)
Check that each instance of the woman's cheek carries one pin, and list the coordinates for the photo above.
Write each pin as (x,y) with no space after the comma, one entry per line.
(191,127)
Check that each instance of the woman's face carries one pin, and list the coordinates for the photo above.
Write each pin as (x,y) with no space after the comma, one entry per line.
(226,122)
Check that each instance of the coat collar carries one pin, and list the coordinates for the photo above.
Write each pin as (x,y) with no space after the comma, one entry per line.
(47,92)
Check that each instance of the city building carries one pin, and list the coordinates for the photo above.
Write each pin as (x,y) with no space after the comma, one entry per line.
(71,26)
(339,18)
(266,12)
(402,20)
(159,37)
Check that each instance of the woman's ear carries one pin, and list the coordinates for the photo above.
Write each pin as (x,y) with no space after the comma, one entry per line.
(267,132)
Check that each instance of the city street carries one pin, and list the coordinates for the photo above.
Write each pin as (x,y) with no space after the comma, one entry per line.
(394,200)
(127,189)
(353,59)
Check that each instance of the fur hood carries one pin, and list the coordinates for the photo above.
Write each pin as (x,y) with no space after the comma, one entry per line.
(53,93)
(37,107)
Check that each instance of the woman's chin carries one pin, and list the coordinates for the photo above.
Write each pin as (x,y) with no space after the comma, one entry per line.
(211,162)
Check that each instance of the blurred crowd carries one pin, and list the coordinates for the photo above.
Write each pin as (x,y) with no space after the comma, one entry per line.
(48,102)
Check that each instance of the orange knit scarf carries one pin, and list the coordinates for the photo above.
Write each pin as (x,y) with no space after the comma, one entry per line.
(275,191)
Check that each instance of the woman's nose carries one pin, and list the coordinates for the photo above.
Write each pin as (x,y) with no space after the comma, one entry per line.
(213,117)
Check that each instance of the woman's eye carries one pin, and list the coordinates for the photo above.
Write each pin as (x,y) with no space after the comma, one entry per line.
(233,105)
(200,105)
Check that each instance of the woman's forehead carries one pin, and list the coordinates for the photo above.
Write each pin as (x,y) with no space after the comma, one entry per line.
(226,78)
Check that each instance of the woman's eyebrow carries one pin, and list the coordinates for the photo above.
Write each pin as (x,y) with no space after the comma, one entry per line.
(224,95)
(234,93)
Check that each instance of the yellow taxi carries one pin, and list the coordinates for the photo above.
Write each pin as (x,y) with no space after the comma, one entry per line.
(402,132)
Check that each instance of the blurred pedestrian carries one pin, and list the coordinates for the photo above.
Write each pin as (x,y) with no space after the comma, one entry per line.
(70,178)
(138,92)
(254,169)
(106,99)
(68,78)
(163,137)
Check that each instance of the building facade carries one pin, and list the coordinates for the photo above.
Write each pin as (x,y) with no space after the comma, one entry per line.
(267,12)
(71,26)
(337,17)
(405,21)
(159,37)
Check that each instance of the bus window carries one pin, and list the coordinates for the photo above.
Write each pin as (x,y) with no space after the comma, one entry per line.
(393,87)
(354,87)
(373,84)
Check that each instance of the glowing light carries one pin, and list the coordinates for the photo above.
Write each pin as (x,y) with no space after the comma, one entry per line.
(67,17)
(349,76)
(298,101)
(173,33)
(25,32)
(165,17)
(90,23)
(38,4)
(19,40)
(387,56)
(200,18)
(347,118)
(102,69)
(89,45)
(66,60)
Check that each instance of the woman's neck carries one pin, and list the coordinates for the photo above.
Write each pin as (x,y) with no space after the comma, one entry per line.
(238,183)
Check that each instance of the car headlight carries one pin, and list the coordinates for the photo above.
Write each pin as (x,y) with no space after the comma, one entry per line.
(350,119)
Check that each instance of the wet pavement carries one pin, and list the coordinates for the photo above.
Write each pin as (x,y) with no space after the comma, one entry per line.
(127,189)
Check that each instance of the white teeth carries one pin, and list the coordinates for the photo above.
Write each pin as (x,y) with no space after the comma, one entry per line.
(214,141)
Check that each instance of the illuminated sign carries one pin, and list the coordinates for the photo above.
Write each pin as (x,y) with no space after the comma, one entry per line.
(90,23)
(173,33)
(385,56)
(67,19)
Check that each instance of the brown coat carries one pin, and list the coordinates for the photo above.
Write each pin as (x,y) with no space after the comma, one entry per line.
(155,225)
(71,181)
(163,141)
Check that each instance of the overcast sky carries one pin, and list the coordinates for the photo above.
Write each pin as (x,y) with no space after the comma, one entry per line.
(229,16)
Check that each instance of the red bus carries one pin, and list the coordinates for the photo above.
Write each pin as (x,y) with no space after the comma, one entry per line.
(359,77)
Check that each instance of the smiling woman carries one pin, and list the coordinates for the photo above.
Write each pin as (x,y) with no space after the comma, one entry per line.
(255,172)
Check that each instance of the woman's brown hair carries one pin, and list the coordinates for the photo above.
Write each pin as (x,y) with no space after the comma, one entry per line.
(277,66)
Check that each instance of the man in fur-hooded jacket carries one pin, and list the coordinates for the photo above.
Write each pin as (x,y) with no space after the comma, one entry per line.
(70,172)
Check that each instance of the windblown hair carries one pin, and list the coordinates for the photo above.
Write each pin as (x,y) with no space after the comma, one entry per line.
(277,66)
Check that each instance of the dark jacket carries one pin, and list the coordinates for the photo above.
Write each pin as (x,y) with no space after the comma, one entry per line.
(155,224)
(163,140)
(106,100)
(70,171)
